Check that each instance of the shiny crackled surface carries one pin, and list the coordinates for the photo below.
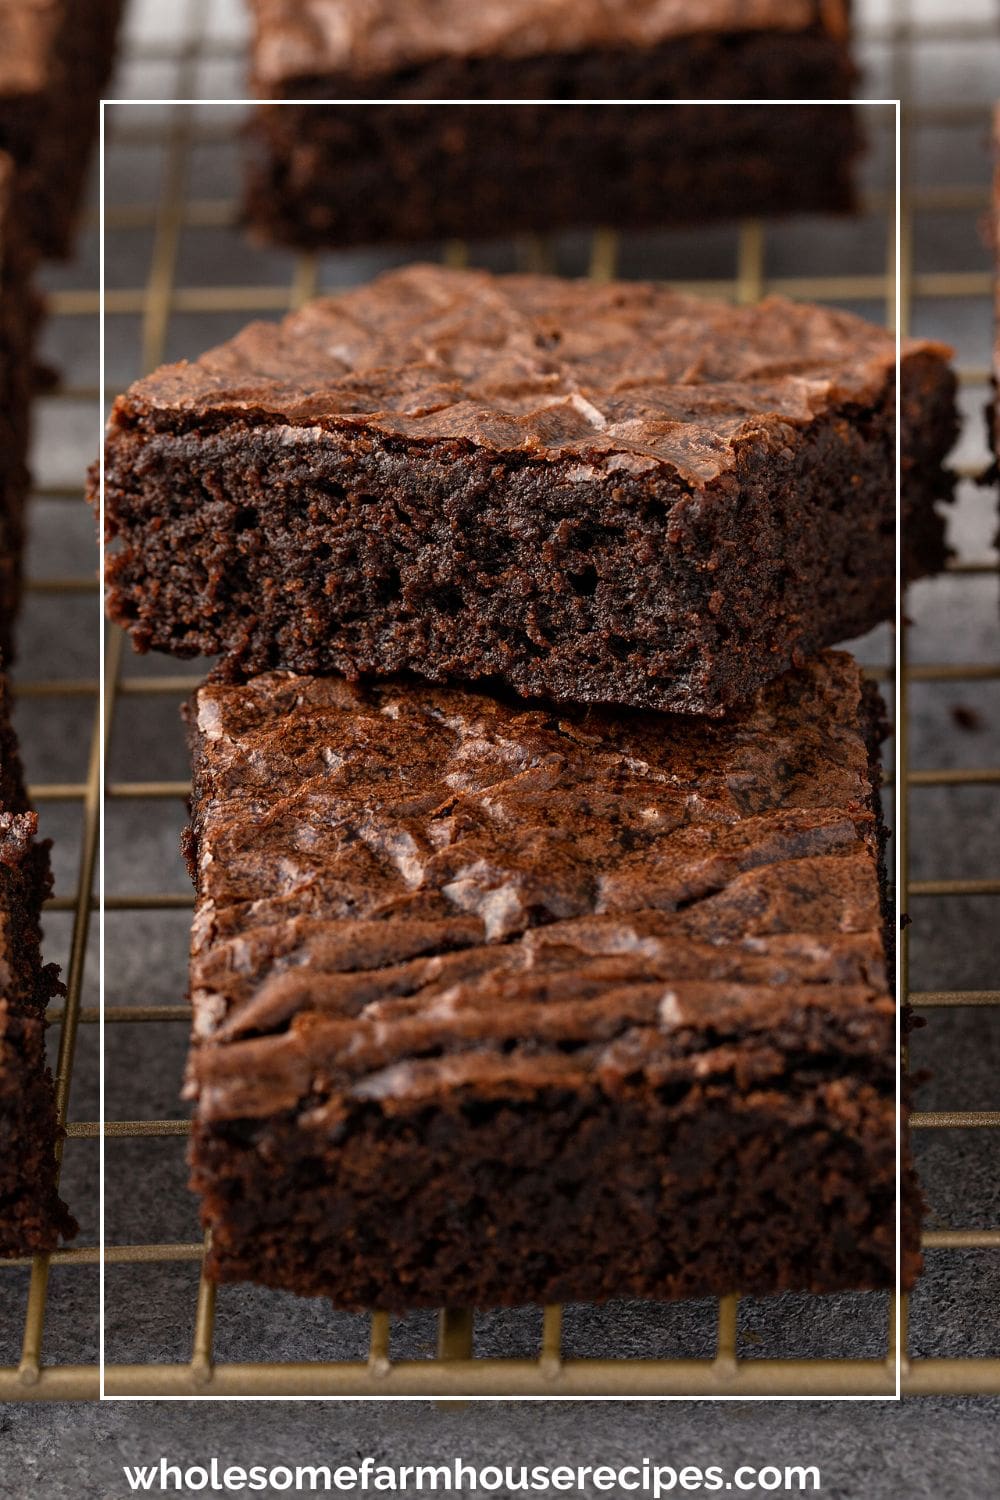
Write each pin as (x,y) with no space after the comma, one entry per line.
(368,37)
(403,889)
(629,373)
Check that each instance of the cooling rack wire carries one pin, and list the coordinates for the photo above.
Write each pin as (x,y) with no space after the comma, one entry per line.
(455,1371)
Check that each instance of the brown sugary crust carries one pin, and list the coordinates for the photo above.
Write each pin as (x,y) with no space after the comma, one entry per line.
(628,373)
(498,1003)
(368,39)
(32,1216)
(591,493)
(55,58)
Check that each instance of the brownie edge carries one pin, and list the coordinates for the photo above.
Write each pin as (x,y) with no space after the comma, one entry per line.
(56,57)
(32,1215)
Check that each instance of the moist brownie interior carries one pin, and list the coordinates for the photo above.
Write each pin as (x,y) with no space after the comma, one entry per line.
(326,176)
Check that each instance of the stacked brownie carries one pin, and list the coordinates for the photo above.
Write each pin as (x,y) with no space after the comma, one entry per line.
(32,1217)
(502,1003)
(508,985)
(55,58)
(328,173)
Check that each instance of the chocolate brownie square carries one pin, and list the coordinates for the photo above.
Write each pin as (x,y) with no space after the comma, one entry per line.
(32,1216)
(55,59)
(334,173)
(503,1003)
(592,493)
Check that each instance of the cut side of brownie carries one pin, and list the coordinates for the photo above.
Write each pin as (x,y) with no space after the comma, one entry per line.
(55,59)
(498,1003)
(328,174)
(587,493)
(32,1216)
(19,311)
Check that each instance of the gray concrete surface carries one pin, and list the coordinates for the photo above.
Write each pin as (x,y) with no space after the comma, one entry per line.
(915,1451)
(930,1447)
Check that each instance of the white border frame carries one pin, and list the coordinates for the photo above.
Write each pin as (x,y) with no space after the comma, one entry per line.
(899,791)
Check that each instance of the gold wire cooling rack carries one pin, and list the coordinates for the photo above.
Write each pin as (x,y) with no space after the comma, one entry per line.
(455,1371)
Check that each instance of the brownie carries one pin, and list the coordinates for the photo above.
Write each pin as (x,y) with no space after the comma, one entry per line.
(18,324)
(332,173)
(501,1003)
(32,1216)
(595,493)
(55,59)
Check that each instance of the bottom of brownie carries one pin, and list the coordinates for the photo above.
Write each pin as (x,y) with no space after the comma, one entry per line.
(679,1191)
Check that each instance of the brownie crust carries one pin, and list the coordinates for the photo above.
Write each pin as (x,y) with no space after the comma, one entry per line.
(501,1004)
(590,493)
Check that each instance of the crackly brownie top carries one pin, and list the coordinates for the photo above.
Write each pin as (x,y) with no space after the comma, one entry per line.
(27,35)
(402,888)
(366,38)
(623,375)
